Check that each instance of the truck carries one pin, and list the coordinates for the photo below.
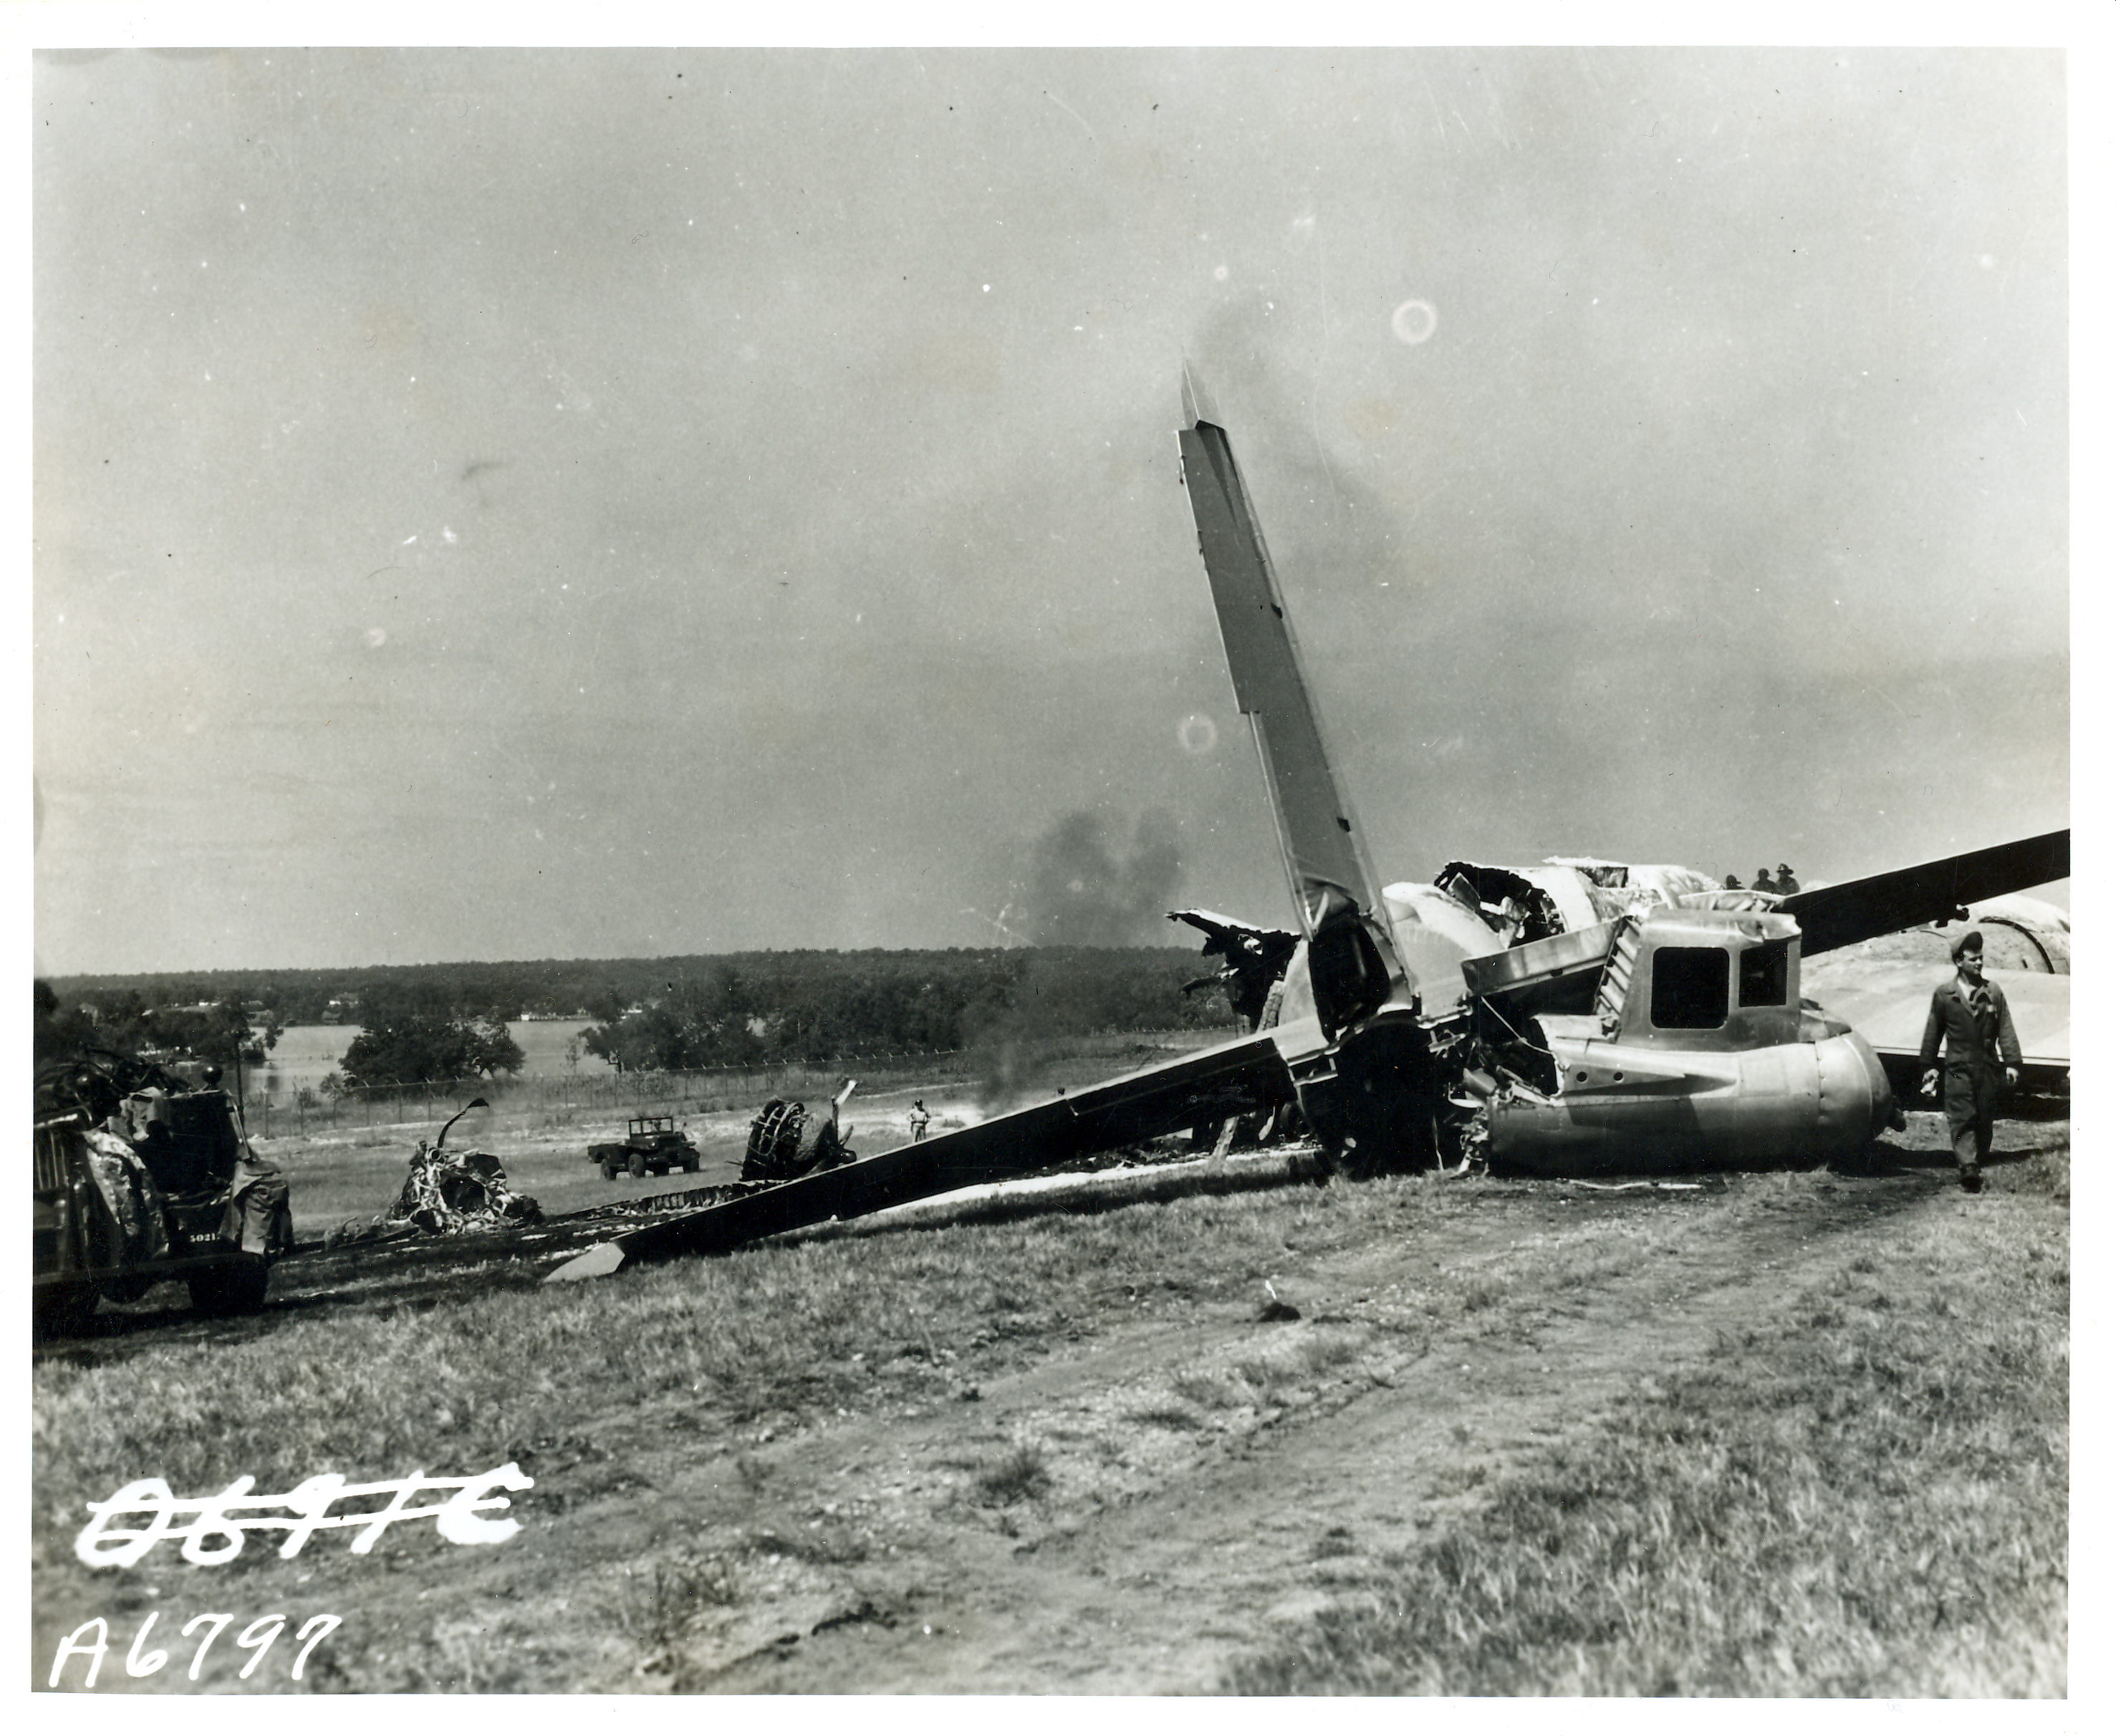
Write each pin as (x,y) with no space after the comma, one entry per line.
(141,1178)
(653,1145)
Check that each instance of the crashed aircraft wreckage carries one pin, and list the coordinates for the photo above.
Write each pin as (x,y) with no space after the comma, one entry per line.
(1577,1017)
(445,1193)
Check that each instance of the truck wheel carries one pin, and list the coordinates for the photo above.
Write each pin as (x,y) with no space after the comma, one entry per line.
(637,1166)
(236,1286)
(690,1165)
(609,1170)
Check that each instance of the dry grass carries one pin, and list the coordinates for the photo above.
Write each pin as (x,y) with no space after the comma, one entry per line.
(1021,1476)
(1865,1495)
(771,1337)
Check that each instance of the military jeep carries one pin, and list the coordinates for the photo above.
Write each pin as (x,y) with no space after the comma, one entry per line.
(141,1177)
(652,1145)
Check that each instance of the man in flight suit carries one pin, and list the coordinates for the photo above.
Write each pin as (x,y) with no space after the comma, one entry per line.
(1972,1015)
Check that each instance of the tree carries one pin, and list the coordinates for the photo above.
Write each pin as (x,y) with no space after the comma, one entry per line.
(219,1033)
(57,1031)
(264,1039)
(405,1046)
(706,1022)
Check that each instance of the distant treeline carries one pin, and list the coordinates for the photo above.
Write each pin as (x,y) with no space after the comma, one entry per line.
(730,1009)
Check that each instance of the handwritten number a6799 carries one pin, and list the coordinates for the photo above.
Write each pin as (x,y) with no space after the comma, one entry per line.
(91,1641)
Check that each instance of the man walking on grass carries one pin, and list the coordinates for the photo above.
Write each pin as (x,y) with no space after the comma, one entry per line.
(1972,1015)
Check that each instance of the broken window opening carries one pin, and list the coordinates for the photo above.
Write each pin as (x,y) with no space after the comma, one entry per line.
(1764,971)
(1690,987)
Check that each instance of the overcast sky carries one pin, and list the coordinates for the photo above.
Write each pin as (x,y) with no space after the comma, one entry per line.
(516,504)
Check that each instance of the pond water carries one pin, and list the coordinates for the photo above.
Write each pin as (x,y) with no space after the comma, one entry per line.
(305,1053)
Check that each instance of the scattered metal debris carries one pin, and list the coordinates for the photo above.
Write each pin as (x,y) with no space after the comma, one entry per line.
(786,1141)
(445,1193)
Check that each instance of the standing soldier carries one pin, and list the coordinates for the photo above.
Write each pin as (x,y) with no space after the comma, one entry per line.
(1785,883)
(1764,883)
(1972,1015)
(919,1117)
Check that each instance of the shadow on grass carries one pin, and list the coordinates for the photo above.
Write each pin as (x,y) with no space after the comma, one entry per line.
(1886,1160)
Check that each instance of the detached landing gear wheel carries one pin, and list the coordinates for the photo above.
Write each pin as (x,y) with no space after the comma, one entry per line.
(236,1286)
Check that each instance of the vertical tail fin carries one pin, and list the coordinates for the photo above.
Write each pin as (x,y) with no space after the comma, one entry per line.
(1325,860)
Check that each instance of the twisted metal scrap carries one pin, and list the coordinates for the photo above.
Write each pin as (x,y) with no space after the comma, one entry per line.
(447,1193)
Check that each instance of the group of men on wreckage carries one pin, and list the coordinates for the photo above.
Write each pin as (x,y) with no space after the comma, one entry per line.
(1783,884)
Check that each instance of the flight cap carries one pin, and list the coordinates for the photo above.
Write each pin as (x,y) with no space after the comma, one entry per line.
(1971,942)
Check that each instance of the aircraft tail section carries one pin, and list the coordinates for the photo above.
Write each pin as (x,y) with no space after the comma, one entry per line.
(1325,859)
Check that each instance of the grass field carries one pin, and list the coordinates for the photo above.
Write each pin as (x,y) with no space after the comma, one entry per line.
(1781,1434)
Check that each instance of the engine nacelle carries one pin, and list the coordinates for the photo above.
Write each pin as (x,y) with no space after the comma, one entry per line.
(1619,1107)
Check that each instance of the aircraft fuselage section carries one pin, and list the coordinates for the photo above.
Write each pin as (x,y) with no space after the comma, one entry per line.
(1627,1106)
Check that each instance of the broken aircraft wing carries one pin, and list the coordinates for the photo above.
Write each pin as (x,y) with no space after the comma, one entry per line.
(1163,1098)
(1886,1003)
(1831,916)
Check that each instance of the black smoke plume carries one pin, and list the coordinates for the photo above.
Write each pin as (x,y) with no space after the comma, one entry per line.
(1083,889)
(1084,892)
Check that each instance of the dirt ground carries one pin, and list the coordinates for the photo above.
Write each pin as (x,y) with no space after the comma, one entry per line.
(1153,1584)
(1152,1545)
